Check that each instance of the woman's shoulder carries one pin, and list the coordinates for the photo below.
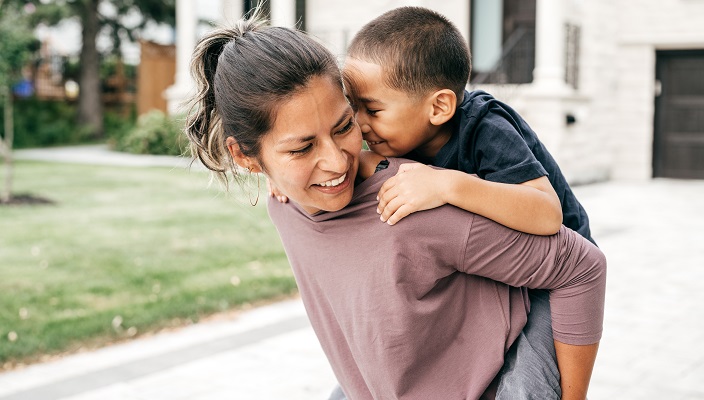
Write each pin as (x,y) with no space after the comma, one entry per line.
(368,160)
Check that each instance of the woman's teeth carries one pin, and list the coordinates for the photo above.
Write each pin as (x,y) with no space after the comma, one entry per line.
(333,182)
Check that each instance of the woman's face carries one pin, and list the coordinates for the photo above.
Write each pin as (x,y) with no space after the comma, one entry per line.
(312,152)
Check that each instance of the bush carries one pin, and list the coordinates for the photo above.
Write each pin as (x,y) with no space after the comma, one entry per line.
(40,123)
(118,126)
(155,133)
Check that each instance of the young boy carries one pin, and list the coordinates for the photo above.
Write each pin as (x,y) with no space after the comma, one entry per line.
(405,73)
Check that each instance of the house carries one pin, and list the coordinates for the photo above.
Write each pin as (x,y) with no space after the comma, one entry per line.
(614,88)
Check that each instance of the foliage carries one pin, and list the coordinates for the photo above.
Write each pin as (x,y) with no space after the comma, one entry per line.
(45,123)
(117,126)
(112,17)
(17,43)
(108,68)
(152,246)
(155,133)
(42,123)
(119,20)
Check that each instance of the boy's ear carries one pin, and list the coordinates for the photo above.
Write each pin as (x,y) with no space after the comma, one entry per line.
(249,163)
(443,104)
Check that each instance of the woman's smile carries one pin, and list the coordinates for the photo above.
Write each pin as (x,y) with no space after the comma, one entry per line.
(334,185)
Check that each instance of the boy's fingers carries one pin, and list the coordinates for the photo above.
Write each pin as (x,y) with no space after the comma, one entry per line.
(401,213)
(383,196)
(390,208)
(384,200)
(407,167)
(386,186)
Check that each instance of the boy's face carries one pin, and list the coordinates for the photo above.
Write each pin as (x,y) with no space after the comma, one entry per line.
(392,122)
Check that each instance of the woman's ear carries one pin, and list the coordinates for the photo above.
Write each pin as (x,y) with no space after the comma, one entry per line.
(443,106)
(246,162)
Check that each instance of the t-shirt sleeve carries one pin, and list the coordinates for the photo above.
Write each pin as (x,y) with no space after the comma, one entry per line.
(569,265)
(501,154)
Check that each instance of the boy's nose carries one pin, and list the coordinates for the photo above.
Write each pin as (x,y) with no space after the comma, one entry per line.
(362,121)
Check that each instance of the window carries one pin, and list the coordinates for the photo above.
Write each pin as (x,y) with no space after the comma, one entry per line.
(502,41)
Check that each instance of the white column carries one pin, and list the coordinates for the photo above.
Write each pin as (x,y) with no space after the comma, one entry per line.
(548,96)
(186,22)
(283,13)
(549,46)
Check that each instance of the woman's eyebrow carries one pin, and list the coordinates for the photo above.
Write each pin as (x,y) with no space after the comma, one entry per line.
(302,139)
(342,118)
(297,139)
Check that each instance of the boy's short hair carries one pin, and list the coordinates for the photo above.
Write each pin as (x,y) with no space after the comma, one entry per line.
(419,50)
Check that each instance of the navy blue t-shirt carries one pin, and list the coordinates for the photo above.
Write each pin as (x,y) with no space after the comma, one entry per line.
(491,140)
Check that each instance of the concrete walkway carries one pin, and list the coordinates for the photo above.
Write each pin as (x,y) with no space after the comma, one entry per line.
(653,344)
(99,155)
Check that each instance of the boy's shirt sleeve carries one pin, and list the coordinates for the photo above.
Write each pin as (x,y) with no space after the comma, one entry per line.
(500,152)
(565,263)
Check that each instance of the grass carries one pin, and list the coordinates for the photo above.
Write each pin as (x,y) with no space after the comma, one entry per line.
(124,251)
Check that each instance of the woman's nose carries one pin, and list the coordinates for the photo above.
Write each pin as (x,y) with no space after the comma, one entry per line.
(332,157)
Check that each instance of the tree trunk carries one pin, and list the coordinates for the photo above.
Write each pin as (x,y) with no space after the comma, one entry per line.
(6,194)
(90,106)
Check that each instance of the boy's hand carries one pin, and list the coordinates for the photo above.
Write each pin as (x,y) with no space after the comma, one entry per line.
(415,187)
(274,192)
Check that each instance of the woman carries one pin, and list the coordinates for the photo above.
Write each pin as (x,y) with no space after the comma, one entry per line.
(421,310)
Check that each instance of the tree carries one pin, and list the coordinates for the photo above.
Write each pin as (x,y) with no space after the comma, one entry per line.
(120,20)
(17,43)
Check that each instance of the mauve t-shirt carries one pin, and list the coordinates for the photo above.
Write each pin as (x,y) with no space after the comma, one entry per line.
(427,308)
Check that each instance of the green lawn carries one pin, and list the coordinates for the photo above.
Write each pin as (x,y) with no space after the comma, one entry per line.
(125,251)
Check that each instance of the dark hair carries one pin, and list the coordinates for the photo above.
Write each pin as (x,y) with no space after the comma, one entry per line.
(242,74)
(419,50)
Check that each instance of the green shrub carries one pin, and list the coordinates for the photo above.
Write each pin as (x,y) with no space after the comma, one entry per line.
(117,126)
(155,133)
(40,123)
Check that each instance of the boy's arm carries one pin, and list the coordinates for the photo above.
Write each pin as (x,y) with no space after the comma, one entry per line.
(531,207)
(575,364)
(566,263)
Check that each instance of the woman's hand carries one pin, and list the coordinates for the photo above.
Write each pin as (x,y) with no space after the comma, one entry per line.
(415,187)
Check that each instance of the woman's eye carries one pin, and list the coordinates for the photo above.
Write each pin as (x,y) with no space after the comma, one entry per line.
(348,126)
(372,112)
(301,151)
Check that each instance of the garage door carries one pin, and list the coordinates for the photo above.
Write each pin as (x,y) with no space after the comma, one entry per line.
(678,150)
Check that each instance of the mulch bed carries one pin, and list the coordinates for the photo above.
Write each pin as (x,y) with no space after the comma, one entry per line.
(26,200)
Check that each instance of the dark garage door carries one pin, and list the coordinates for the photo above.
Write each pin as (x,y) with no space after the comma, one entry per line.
(678,150)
